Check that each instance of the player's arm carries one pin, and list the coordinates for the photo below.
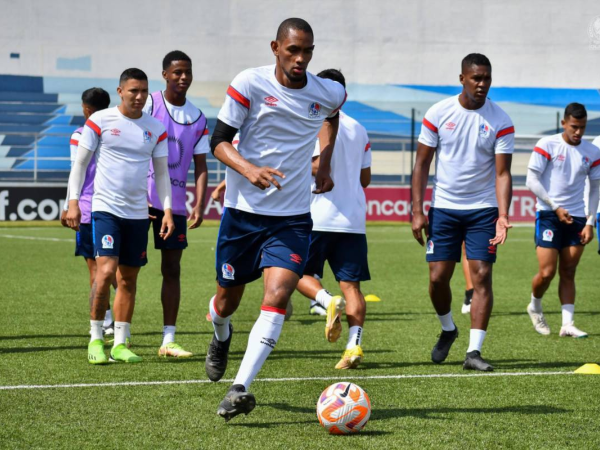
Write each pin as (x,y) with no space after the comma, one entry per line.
(163,189)
(365,168)
(420,176)
(76,180)
(327,134)
(504,196)
(216,193)
(223,149)
(593,199)
(534,183)
(201,180)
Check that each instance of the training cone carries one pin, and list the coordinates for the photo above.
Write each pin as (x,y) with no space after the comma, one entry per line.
(589,369)
(372,298)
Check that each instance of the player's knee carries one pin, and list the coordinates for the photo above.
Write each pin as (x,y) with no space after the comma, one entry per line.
(439,279)
(567,271)
(171,271)
(277,295)
(547,274)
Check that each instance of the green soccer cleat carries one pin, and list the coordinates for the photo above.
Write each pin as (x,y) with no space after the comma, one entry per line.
(96,352)
(121,353)
(174,350)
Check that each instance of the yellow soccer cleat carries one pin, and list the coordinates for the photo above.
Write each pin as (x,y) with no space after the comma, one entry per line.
(174,350)
(333,327)
(351,358)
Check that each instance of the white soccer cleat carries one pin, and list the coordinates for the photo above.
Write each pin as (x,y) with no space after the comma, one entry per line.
(539,321)
(571,330)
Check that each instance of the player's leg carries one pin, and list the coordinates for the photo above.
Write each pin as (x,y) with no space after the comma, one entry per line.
(547,261)
(356,310)
(106,269)
(309,285)
(107,324)
(466,307)
(123,307)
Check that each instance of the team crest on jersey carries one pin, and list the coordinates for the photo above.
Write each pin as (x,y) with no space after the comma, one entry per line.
(586,162)
(314,110)
(147,137)
(228,271)
(548,235)
(107,241)
(484,130)
(429,248)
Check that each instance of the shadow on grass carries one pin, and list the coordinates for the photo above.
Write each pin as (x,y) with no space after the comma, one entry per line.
(427,413)
(41,349)
(83,335)
(546,313)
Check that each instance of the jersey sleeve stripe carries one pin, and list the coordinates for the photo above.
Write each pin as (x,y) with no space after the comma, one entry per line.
(429,125)
(238,97)
(368,147)
(162,137)
(543,152)
(504,132)
(596,163)
(93,126)
(273,309)
(74,142)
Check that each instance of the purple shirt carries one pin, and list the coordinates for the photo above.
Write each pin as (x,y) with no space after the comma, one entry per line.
(85,199)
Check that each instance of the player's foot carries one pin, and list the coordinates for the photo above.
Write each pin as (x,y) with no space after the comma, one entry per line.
(539,321)
(208,317)
(289,310)
(572,331)
(474,361)
(316,309)
(333,327)
(111,340)
(351,358)
(121,353)
(236,401)
(466,306)
(174,350)
(109,330)
(96,353)
(216,358)
(442,346)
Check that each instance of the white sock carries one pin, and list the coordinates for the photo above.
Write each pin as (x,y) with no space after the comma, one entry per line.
(447,322)
(323,298)
(121,332)
(108,318)
(567,314)
(168,334)
(96,330)
(536,304)
(220,324)
(261,341)
(476,340)
(354,337)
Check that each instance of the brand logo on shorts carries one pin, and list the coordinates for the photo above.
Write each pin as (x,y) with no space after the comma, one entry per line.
(228,271)
(181,238)
(107,241)
(115,132)
(429,248)
(484,130)
(143,255)
(314,110)
(268,342)
(296,258)
(147,137)
(492,249)
(271,101)
(548,235)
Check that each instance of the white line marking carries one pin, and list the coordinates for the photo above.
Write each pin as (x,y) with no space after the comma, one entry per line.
(274,380)
(35,238)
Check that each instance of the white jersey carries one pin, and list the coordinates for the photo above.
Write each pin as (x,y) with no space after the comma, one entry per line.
(124,148)
(278,127)
(467,142)
(344,209)
(563,170)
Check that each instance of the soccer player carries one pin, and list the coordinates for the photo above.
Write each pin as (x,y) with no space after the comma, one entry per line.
(187,139)
(279,110)
(557,173)
(339,234)
(473,141)
(596,142)
(92,100)
(123,139)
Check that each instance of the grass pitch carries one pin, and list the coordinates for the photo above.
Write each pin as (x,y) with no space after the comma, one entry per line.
(43,341)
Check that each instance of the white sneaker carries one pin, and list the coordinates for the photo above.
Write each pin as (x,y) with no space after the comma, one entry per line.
(466,308)
(539,321)
(573,331)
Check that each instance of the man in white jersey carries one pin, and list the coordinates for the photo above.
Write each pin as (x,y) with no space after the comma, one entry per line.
(279,110)
(557,173)
(123,139)
(473,141)
(339,234)
(187,140)
(596,142)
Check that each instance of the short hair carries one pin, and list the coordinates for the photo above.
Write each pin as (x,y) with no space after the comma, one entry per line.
(333,74)
(575,110)
(475,59)
(292,24)
(132,74)
(95,97)
(175,55)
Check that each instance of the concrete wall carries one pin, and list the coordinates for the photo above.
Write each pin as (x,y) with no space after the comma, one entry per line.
(543,43)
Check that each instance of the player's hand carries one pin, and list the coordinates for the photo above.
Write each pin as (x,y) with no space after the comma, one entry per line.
(324,182)
(564,216)
(502,227)
(216,195)
(419,224)
(73,217)
(168,226)
(264,177)
(196,218)
(150,216)
(587,234)
(63,219)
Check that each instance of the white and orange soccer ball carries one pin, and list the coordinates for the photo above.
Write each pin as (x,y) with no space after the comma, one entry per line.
(343,408)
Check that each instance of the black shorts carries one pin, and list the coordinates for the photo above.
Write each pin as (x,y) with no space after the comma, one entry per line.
(178,240)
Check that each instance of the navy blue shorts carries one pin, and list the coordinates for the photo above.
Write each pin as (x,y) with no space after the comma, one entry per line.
(84,241)
(448,228)
(551,233)
(345,252)
(126,239)
(598,230)
(178,240)
(247,243)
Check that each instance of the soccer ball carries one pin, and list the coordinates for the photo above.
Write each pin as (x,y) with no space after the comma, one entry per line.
(343,408)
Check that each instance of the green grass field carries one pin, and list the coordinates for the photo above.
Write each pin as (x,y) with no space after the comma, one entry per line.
(43,341)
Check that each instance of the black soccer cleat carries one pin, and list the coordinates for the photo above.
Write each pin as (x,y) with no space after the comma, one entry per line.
(442,346)
(237,401)
(216,358)
(474,361)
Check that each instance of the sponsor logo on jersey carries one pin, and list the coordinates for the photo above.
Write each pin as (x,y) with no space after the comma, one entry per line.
(451,126)
(271,101)
(548,235)
(228,271)
(561,158)
(268,342)
(429,248)
(107,241)
(294,257)
(484,130)
(147,137)
(314,110)
(115,132)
